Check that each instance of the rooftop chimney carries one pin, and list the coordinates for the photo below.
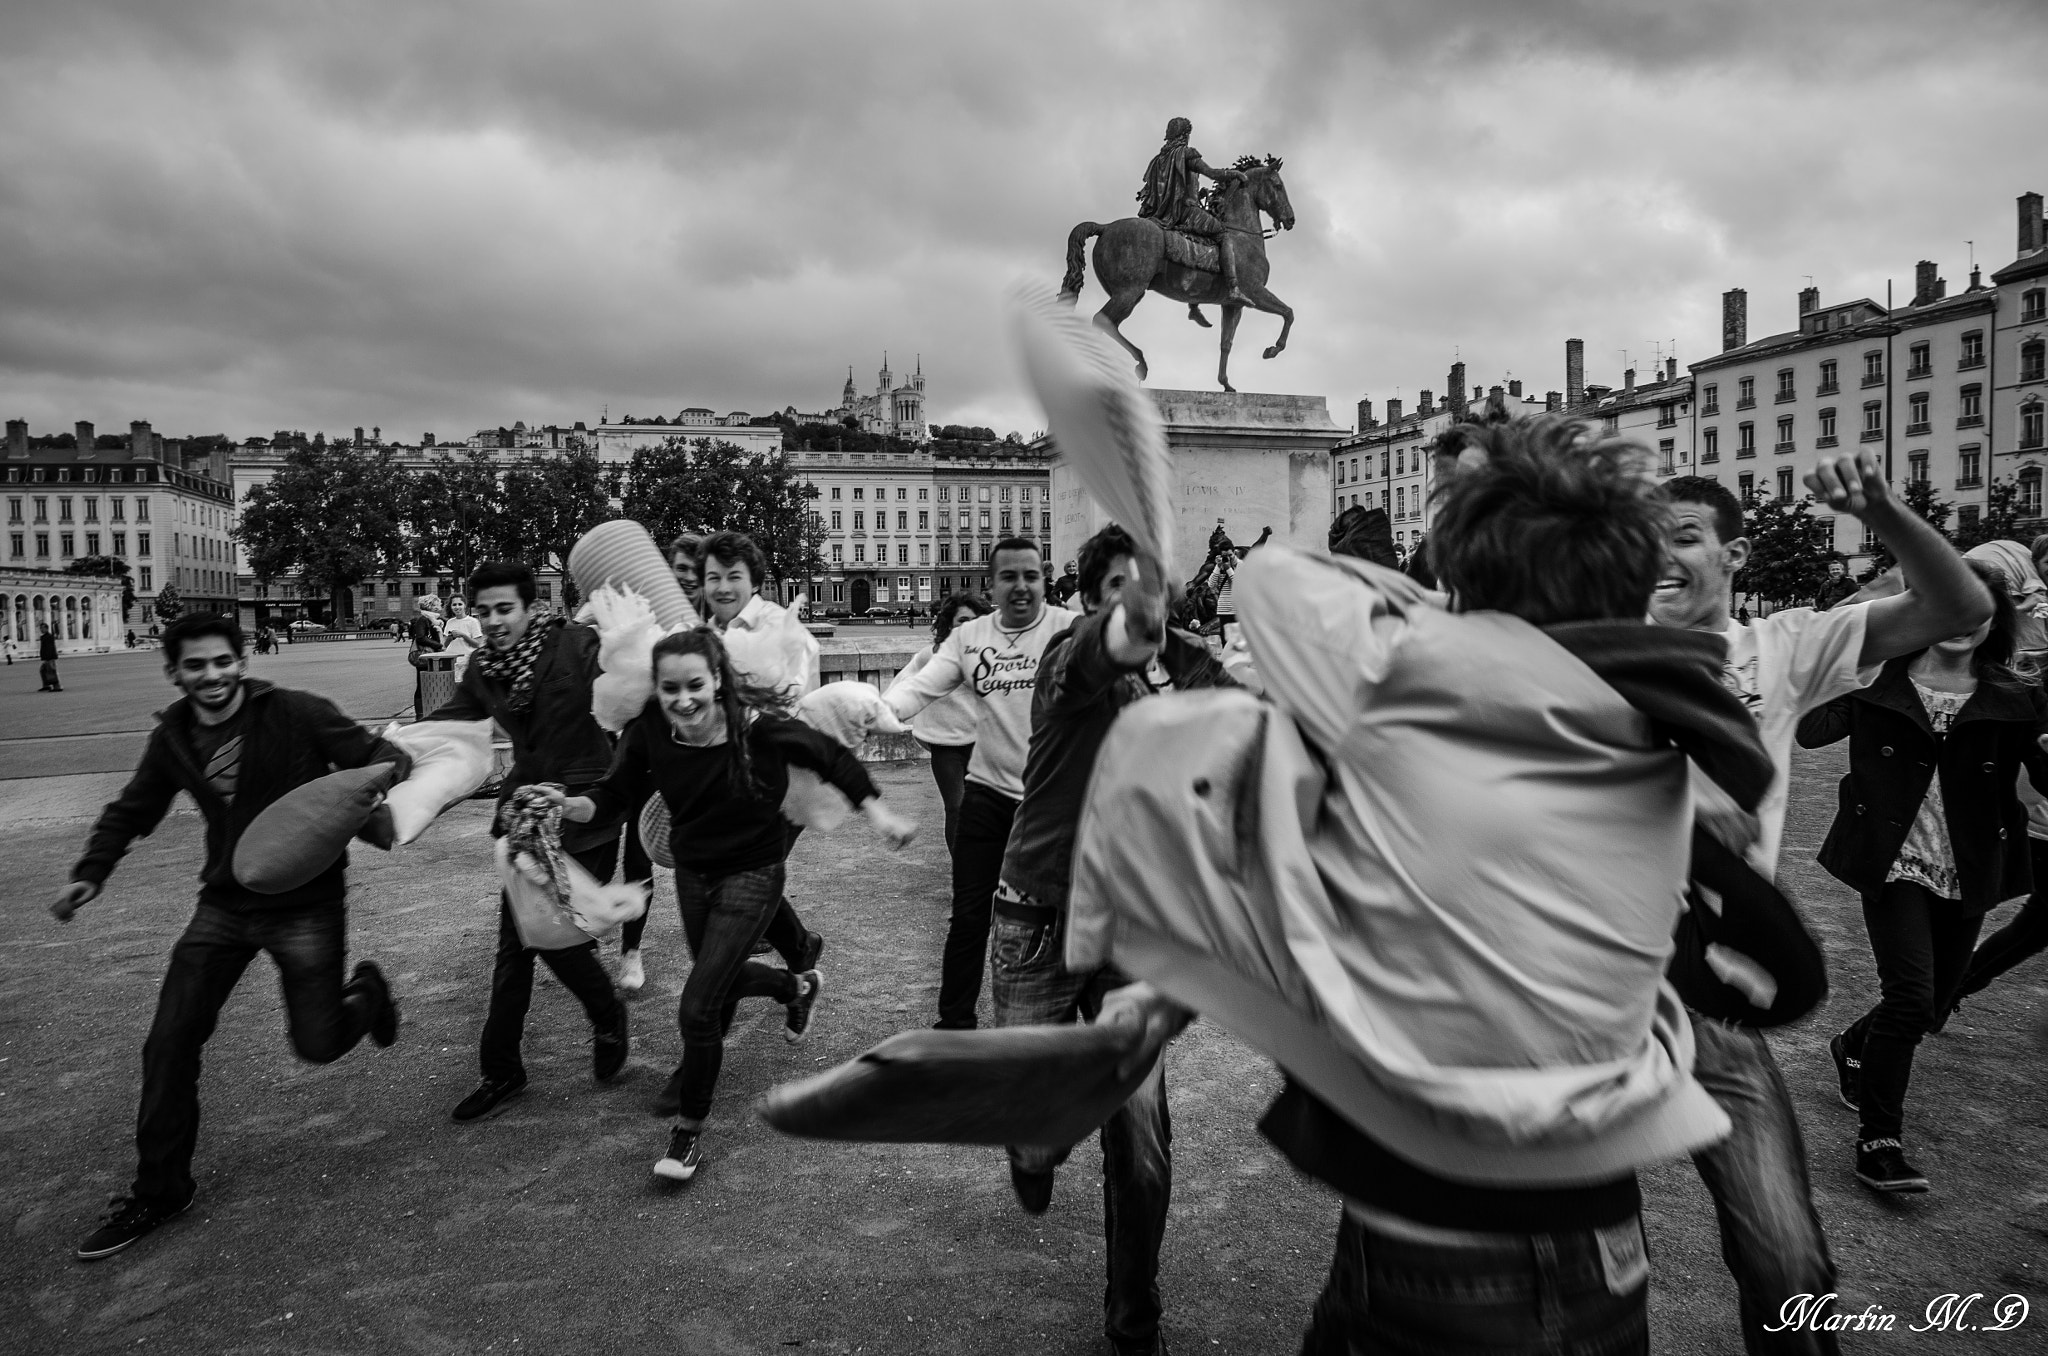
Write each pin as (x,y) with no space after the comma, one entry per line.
(1574,373)
(1735,318)
(1628,381)
(1393,411)
(1809,300)
(81,433)
(1671,369)
(17,437)
(1976,279)
(1515,389)
(426,440)
(1428,404)
(1454,389)
(141,442)
(2030,223)
(1553,401)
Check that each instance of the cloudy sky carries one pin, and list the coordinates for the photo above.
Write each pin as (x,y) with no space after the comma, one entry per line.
(239,216)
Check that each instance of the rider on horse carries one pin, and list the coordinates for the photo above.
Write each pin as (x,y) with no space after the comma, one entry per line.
(1170,196)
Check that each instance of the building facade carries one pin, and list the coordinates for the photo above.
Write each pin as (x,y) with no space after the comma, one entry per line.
(82,611)
(139,502)
(2019,362)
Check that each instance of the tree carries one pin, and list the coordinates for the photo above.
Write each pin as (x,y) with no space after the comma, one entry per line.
(548,503)
(169,604)
(1919,496)
(333,513)
(1789,552)
(686,485)
(107,567)
(2001,520)
(454,513)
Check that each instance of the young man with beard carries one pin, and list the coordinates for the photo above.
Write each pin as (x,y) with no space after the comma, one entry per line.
(1087,675)
(996,658)
(533,677)
(235,745)
(1783,666)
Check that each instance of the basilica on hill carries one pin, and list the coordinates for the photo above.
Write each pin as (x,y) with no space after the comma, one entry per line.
(897,411)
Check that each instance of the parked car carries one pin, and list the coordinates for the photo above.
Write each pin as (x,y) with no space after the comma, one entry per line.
(887,612)
(304,625)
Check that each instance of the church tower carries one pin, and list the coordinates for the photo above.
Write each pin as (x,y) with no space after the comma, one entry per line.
(883,385)
(917,381)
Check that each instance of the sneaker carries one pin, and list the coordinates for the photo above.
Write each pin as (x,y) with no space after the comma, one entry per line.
(609,1047)
(632,974)
(489,1097)
(1034,1189)
(1881,1165)
(127,1219)
(384,1024)
(669,1101)
(682,1160)
(814,947)
(796,1014)
(1848,1072)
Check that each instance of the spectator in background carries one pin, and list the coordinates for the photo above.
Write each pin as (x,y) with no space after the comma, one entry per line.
(1067,585)
(946,727)
(46,648)
(1837,588)
(425,630)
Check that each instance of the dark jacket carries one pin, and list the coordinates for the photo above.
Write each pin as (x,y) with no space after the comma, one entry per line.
(554,740)
(1894,756)
(289,739)
(46,648)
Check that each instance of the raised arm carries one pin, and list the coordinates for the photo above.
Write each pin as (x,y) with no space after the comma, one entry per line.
(1943,598)
(907,697)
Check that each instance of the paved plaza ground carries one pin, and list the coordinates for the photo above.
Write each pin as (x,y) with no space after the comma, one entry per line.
(341,1211)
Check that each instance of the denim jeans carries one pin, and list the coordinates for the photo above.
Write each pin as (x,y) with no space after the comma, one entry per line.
(324,1016)
(512,980)
(1771,1237)
(786,931)
(1922,946)
(949,772)
(636,866)
(723,916)
(1503,1295)
(1032,988)
(985,818)
(2026,935)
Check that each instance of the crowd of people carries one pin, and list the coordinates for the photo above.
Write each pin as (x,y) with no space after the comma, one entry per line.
(1536,809)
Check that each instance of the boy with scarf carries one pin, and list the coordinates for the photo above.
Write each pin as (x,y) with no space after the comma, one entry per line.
(235,745)
(533,677)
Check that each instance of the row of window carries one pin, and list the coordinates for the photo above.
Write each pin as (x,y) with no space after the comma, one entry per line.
(2031,426)
(1397,503)
(1969,467)
(1001,493)
(67,544)
(1395,463)
(836,520)
(117,508)
(88,475)
(924,553)
(1919,360)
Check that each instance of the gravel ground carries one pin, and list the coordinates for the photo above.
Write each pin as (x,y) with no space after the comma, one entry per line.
(341,1211)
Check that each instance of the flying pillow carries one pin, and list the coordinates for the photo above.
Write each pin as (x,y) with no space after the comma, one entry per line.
(301,833)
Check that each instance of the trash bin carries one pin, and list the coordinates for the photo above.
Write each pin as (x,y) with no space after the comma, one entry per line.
(436,686)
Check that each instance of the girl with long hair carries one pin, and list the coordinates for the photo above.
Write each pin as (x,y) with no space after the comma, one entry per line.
(1931,833)
(718,751)
(946,727)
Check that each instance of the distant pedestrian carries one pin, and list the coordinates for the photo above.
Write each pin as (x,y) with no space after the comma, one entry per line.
(131,637)
(8,648)
(47,648)
(235,746)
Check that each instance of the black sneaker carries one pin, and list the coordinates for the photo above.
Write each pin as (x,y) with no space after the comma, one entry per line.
(1881,1165)
(796,1014)
(1848,1072)
(1034,1189)
(814,947)
(669,1101)
(490,1097)
(127,1219)
(609,1046)
(384,1024)
(682,1160)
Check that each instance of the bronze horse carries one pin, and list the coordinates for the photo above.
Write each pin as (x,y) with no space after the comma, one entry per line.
(1130,259)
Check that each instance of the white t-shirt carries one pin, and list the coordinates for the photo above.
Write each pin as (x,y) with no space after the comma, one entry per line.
(466,629)
(1001,669)
(1783,666)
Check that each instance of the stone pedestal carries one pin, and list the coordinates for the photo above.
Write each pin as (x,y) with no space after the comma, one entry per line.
(1245,459)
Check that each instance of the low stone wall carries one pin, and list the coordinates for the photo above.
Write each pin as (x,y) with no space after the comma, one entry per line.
(874,660)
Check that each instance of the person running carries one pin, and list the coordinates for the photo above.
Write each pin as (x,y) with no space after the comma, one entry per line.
(1935,838)
(235,745)
(1088,674)
(946,727)
(995,658)
(533,678)
(718,752)
(1783,666)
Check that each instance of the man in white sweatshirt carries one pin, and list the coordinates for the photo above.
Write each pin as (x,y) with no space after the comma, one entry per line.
(996,659)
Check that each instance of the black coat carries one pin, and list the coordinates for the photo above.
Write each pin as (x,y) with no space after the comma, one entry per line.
(1894,756)
(556,739)
(288,739)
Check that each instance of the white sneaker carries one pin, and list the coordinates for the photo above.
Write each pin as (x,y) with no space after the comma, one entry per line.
(681,1161)
(632,974)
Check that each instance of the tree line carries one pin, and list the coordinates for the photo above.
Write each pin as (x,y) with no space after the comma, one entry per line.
(337,515)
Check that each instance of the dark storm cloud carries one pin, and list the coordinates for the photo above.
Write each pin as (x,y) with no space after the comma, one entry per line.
(242,216)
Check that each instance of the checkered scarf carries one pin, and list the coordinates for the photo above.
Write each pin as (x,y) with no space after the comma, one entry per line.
(514,667)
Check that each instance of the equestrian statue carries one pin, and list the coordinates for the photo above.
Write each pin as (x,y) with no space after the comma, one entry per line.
(1195,247)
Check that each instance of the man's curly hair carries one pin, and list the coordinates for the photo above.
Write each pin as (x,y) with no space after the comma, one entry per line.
(1561,522)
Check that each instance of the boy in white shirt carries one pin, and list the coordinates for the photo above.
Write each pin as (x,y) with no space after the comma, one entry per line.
(1783,666)
(996,659)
